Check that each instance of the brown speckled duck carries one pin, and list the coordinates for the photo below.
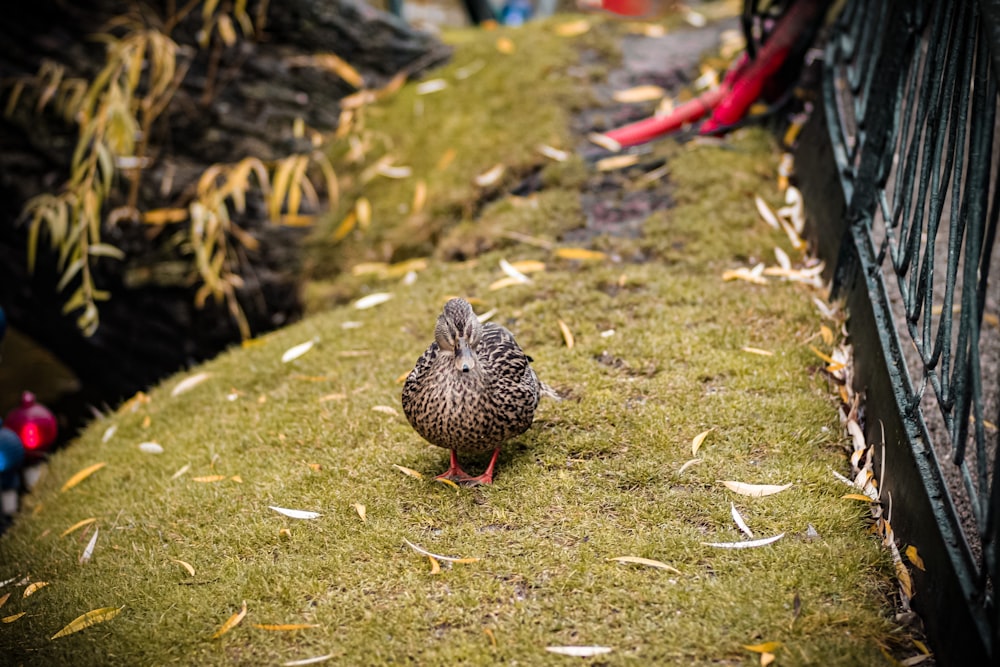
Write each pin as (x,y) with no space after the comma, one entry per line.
(472,389)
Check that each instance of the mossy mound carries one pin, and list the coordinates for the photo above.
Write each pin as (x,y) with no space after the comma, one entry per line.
(657,359)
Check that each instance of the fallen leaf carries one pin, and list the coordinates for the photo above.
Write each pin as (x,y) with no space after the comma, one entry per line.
(504,282)
(512,272)
(528,265)
(189,383)
(766,647)
(435,565)
(616,162)
(604,141)
(82,475)
(745,274)
(740,523)
(698,440)
(447,482)
(552,153)
(754,490)
(579,651)
(362,512)
(905,582)
(386,409)
(89,551)
(296,351)
(372,300)
(431,86)
(284,627)
(346,225)
(363,208)
(295,514)
(408,471)
(745,545)
(856,496)
(151,447)
(33,588)
(581,254)
(14,617)
(757,350)
(450,559)
(231,622)
(77,526)
(572,28)
(336,396)
(505,46)
(638,94)
(307,661)
(3,600)
(567,334)
(187,566)
(688,464)
(783,260)
(914,557)
(109,432)
(208,479)
(180,471)
(237,479)
(490,176)
(646,561)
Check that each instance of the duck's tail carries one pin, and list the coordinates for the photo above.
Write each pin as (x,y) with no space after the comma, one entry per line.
(546,390)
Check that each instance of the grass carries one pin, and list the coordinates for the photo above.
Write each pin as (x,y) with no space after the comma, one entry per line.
(595,478)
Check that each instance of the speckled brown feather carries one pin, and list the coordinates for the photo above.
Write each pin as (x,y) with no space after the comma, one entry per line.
(478,410)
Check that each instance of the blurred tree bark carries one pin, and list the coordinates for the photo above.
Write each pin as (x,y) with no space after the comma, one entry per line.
(235,101)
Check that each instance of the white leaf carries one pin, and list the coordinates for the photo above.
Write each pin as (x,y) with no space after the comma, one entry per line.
(89,551)
(783,260)
(296,351)
(386,409)
(552,153)
(579,651)
(180,471)
(745,545)
(307,661)
(372,300)
(351,325)
(506,267)
(189,383)
(109,432)
(487,315)
(450,559)
(740,523)
(688,464)
(151,447)
(431,86)
(754,490)
(765,212)
(295,514)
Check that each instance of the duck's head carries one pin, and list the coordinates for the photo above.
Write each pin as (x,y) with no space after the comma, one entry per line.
(458,331)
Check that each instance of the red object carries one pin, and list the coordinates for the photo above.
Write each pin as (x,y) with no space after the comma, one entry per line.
(741,86)
(34,424)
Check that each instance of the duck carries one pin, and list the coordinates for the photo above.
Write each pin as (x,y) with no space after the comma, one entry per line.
(471,390)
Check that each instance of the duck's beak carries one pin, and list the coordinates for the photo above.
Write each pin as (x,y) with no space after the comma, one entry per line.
(464,358)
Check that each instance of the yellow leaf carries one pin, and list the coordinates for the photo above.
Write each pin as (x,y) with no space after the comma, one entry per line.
(825,357)
(905,582)
(766,647)
(419,197)
(766,659)
(364,211)
(447,482)
(285,627)
(697,440)
(163,216)
(506,281)
(435,565)
(345,226)
(82,475)
(572,28)
(11,619)
(856,496)
(528,265)
(187,566)
(646,561)
(208,478)
(84,621)
(3,600)
(490,176)
(617,162)
(362,512)
(638,94)
(826,333)
(231,622)
(914,557)
(505,46)
(408,471)
(33,588)
(580,254)
(77,526)
(567,334)
(446,159)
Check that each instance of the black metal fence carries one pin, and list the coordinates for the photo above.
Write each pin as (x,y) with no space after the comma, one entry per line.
(900,173)
(900,167)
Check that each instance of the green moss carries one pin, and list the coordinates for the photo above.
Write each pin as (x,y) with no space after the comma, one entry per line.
(595,478)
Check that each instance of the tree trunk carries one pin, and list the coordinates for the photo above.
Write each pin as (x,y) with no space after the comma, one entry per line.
(234,102)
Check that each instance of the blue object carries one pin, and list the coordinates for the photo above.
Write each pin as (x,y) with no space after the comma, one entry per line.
(516,12)
(11,458)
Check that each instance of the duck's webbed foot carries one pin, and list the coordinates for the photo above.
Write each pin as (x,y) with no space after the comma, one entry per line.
(459,476)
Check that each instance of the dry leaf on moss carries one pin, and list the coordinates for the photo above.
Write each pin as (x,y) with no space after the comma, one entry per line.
(572,28)
(490,176)
(231,622)
(766,647)
(450,559)
(208,479)
(745,545)
(914,557)
(284,627)
(84,621)
(89,551)
(82,475)
(408,471)
(604,141)
(646,561)
(296,351)
(13,617)
(754,490)
(647,93)
(78,525)
(758,351)
(187,566)
(307,661)
(552,153)
(579,651)
(697,441)
(386,409)
(189,383)
(581,254)
(567,335)
(435,565)
(150,448)
(295,514)
(513,272)
(33,588)
(740,523)
(372,300)
(688,464)
(617,162)
(362,512)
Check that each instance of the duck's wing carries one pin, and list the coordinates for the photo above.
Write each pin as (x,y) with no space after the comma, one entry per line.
(422,367)
(501,354)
